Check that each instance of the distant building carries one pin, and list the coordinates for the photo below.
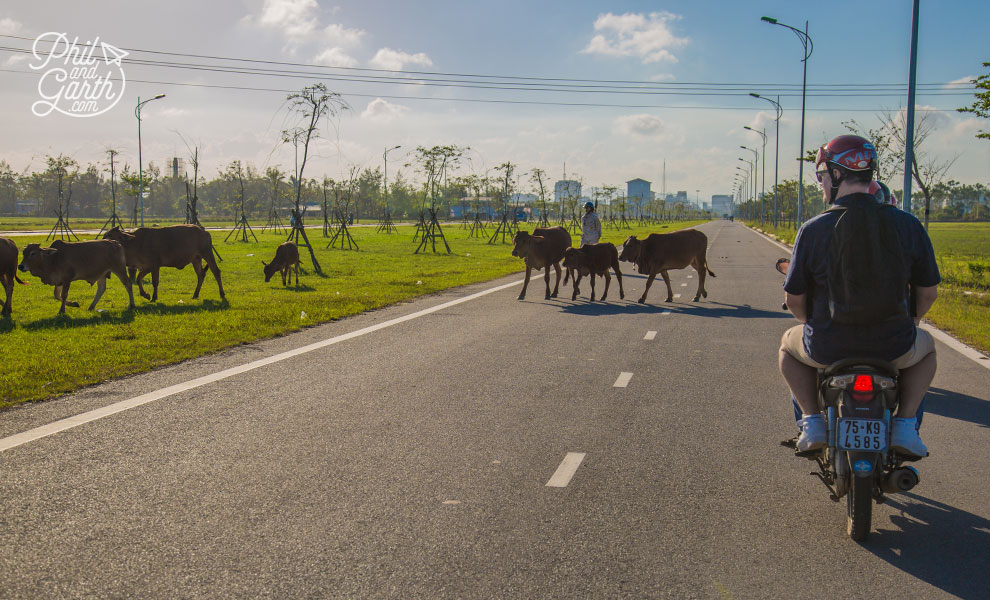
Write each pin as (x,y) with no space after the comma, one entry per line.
(638,192)
(566,188)
(722,204)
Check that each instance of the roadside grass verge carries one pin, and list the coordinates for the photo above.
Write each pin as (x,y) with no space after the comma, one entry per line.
(45,355)
(963,253)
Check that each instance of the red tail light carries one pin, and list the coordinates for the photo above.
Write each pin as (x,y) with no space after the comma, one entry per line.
(863,388)
(863,383)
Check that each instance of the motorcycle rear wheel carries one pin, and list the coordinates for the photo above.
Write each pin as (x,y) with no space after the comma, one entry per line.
(859,508)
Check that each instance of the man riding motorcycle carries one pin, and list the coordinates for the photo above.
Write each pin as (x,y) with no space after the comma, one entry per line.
(845,168)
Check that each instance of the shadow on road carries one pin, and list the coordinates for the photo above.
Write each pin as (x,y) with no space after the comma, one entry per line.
(936,543)
(958,406)
(715,310)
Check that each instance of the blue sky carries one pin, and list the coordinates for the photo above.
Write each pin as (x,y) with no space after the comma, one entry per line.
(676,42)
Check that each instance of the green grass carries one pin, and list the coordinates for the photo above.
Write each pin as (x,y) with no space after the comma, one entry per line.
(963,253)
(45,355)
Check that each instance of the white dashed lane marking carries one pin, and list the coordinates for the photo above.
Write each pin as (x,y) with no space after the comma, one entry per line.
(666,312)
(683,285)
(677,296)
(650,335)
(566,470)
(623,379)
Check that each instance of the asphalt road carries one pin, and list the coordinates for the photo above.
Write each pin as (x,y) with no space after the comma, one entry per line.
(412,458)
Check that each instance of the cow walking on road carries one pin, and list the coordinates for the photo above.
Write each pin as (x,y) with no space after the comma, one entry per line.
(148,249)
(541,250)
(660,252)
(592,260)
(65,262)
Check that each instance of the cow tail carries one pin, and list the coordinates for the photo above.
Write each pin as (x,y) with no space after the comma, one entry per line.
(217,253)
(709,270)
(18,280)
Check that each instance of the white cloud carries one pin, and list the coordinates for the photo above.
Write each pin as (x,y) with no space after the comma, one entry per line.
(296,19)
(15,59)
(9,26)
(339,35)
(334,57)
(648,38)
(382,111)
(961,81)
(299,22)
(642,125)
(396,60)
(662,77)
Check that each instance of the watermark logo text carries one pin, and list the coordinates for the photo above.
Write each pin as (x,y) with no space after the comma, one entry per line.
(78,80)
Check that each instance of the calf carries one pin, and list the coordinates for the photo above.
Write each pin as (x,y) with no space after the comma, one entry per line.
(148,249)
(66,262)
(8,271)
(286,257)
(543,249)
(662,251)
(592,260)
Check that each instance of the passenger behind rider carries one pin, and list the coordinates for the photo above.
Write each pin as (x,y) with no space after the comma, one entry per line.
(845,179)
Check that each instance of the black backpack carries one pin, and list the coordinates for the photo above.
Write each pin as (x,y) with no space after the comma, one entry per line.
(867,270)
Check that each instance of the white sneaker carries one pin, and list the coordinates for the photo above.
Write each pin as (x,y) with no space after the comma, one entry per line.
(904,437)
(814,434)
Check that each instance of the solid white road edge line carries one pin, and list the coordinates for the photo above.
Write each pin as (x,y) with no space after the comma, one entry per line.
(650,335)
(967,351)
(112,409)
(569,466)
(623,379)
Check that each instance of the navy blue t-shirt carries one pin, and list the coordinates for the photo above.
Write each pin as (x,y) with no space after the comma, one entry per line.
(827,342)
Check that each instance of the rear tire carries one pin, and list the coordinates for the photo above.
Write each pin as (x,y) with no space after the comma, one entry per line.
(859,508)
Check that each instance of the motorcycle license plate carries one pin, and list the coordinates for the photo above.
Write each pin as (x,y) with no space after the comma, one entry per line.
(861,434)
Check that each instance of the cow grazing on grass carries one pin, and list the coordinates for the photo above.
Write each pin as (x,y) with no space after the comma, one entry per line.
(286,257)
(66,262)
(592,260)
(8,271)
(541,250)
(660,252)
(148,249)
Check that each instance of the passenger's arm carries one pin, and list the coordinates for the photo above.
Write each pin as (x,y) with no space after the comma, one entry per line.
(798,305)
(924,298)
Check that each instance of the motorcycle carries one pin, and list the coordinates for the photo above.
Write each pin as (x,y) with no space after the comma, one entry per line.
(858,397)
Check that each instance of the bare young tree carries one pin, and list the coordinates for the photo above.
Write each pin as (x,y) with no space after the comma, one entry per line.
(927,170)
(311,105)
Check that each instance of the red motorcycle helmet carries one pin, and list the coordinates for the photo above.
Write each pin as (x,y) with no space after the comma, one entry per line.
(849,152)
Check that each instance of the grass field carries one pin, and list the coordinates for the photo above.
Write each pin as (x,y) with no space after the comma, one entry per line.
(963,252)
(45,355)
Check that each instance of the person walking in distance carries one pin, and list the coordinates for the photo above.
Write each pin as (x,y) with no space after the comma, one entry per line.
(591,226)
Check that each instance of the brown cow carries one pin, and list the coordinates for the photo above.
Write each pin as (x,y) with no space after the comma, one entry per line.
(150,248)
(8,271)
(592,260)
(286,256)
(66,262)
(541,250)
(660,252)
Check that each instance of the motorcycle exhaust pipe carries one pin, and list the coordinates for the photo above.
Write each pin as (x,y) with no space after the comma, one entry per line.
(900,480)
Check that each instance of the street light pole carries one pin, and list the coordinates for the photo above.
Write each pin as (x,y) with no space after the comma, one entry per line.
(137,113)
(776,157)
(756,162)
(763,183)
(385,157)
(809,47)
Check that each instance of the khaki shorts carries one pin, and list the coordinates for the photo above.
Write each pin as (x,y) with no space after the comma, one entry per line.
(793,344)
